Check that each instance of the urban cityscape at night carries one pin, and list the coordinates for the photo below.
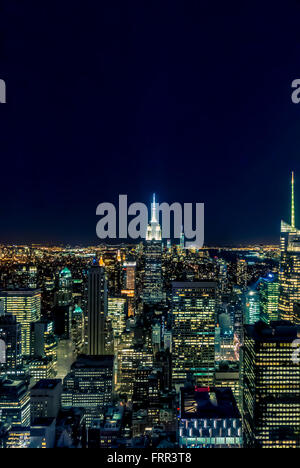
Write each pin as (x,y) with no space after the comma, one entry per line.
(131,322)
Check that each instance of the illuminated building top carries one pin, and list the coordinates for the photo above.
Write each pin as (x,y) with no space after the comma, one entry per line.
(154,229)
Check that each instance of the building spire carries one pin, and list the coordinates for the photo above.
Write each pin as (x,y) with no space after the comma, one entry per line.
(153,215)
(293,202)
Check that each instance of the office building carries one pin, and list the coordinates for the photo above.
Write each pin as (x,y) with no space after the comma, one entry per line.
(45,398)
(251,307)
(193,331)
(289,273)
(89,385)
(97,309)
(14,402)
(268,298)
(25,305)
(271,386)
(241,273)
(11,359)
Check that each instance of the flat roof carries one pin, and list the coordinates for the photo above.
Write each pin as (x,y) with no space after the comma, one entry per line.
(46,384)
(208,403)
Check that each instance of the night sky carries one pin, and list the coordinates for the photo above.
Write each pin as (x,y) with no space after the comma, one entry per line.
(188,99)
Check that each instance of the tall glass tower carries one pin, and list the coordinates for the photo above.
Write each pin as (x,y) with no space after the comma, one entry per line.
(193,331)
(289,273)
(97,309)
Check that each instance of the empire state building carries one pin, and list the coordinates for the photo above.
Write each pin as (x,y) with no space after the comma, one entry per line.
(154,229)
(153,259)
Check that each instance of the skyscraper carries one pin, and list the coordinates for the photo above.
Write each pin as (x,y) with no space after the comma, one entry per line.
(289,273)
(271,387)
(25,305)
(14,402)
(268,298)
(11,335)
(251,307)
(241,272)
(193,332)
(152,293)
(97,309)
(89,385)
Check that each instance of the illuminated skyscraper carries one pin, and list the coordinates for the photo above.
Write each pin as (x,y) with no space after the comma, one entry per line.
(65,287)
(117,312)
(129,275)
(129,272)
(271,388)
(25,305)
(182,238)
(14,403)
(154,229)
(193,331)
(77,329)
(152,292)
(289,273)
(241,272)
(251,307)
(11,335)
(89,385)
(268,298)
(97,309)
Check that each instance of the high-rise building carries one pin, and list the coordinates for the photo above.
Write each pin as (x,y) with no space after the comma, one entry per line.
(11,335)
(129,275)
(25,305)
(182,238)
(289,273)
(271,386)
(241,272)
(65,288)
(117,314)
(152,292)
(193,331)
(268,298)
(45,398)
(251,307)
(77,329)
(44,343)
(227,375)
(129,278)
(89,385)
(14,402)
(97,309)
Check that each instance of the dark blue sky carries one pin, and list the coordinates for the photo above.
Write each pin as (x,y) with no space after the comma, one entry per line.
(188,99)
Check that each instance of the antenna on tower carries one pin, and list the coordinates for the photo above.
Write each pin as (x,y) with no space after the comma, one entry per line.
(293,202)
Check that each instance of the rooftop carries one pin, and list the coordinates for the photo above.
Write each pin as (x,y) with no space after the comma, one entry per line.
(278,331)
(46,384)
(208,403)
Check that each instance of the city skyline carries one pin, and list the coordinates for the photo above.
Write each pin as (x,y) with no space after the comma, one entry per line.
(149,227)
